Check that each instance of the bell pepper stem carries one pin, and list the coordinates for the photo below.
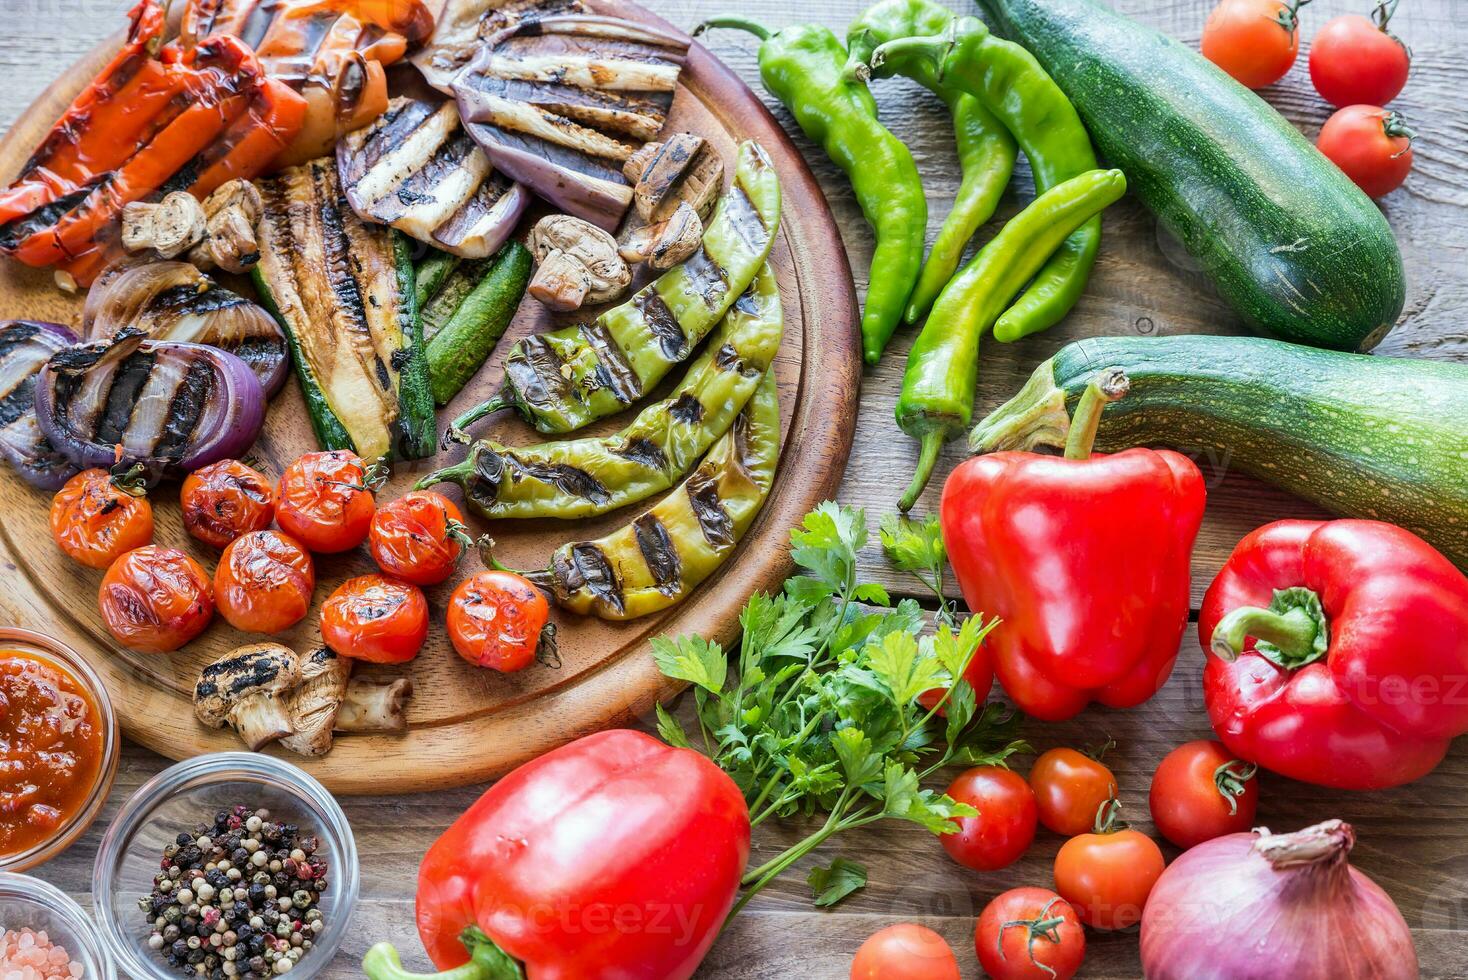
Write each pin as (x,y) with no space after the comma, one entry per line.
(927,459)
(1291,633)
(486,962)
(1106,387)
(736,23)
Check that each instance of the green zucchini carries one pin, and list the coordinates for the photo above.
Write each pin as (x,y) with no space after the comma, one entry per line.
(345,293)
(461,347)
(1295,247)
(430,273)
(1375,437)
(458,284)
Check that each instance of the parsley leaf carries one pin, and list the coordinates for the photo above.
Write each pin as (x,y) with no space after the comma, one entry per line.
(693,659)
(829,885)
(917,548)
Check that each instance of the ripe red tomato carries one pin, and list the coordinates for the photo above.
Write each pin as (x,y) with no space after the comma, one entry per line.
(1108,875)
(95,518)
(980,676)
(375,619)
(1255,41)
(1029,934)
(1371,145)
(264,582)
(418,537)
(1005,826)
(1354,59)
(905,952)
(1202,791)
(325,501)
(224,500)
(497,619)
(155,599)
(1069,790)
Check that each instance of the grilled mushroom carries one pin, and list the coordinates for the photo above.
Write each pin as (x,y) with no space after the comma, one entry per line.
(666,243)
(247,689)
(375,707)
(578,263)
(315,702)
(169,227)
(229,242)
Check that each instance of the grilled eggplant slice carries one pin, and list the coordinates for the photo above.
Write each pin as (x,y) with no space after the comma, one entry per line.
(416,170)
(344,292)
(25,346)
(463,24)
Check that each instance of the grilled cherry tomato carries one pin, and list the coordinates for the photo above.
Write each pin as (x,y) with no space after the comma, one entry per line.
(156,599)
(905,952)
(1029,934)
(1255,41)
(497,619)
(96,517)
(1355,60)
(264,582)
(224,500)
(1069,789)
(1107,875)
(326,502)
(1372,146)
(375,619)
(1005,826)
(418,537)
(1202,791)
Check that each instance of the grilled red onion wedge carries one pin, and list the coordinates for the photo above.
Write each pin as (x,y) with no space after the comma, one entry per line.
(25,346)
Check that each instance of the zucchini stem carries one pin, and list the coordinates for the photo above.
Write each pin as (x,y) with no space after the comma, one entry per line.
(1106,387)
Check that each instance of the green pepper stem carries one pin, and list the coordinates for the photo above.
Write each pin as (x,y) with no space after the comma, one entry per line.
(486,962)
(457,474)
(457,430)
(932,48)
(1291,633)
(927,459)
(1106,387)
(737,23)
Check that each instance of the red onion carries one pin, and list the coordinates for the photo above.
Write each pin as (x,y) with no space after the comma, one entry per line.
(25,346)
(1260,906)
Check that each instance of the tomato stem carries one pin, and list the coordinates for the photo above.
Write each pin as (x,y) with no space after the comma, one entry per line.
(1108,817)
(1230,778)
(1041,926)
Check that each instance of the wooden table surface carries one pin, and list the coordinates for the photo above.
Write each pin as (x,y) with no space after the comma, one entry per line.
(1413,840)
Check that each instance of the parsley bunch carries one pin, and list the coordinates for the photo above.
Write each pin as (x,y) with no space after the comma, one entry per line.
(831,706)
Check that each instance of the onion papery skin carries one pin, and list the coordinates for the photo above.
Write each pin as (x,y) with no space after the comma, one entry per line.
(1223,911)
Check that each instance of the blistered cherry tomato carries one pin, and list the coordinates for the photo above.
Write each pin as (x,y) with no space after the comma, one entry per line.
(1005,826)
(95,518)
(1029,934)
(1069,790)
(1371,145)
(1200,791)
(1108,875)
(497,619)
(156,599)
(325,501)
(224,500)
(418,537)
(264,582)
(375,619)
(1355,60)
(1255,41)
(905,952)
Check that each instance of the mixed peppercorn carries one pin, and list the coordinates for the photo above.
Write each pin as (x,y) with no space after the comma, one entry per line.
(237,898)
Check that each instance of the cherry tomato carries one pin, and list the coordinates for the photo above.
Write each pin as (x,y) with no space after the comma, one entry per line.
(96,518)
(418,537)
(1029,934)
(1069,790)
(156,599)
(1255,41)
(1005,826)
(1202,791)
(1108,875)
(375,619)
(1354,59)
(325,501)
(224,500)
(905,952)
(497,619)
(264,582)
(1372,146)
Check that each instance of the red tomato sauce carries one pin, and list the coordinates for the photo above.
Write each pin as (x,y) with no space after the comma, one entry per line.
(51,748)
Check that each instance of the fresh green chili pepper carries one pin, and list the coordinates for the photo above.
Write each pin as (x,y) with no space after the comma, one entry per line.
(986,151)
(563,380)
(802,66)
(937,399)
(582,477)
(1011,84)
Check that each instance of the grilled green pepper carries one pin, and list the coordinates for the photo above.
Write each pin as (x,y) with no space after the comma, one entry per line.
(655,561)
(986,151)
(563,380)
(937,399)
(1012,85)
(803,67)
(581,477)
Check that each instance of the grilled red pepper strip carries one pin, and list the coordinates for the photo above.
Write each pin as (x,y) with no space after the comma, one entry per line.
(1338,652)
(1084,559)
(252,141)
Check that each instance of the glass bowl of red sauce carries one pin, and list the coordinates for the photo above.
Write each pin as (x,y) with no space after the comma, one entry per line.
(58,747)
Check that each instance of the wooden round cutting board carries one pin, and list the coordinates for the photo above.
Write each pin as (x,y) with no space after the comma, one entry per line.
(468,724)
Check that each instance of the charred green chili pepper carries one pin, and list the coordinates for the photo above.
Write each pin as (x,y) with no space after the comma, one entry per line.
(1011,84)
(563,380)
(803,66)
(937,399)
(986,151)
(582,477)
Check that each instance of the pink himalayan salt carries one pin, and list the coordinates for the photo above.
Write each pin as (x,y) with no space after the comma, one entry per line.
(28,955)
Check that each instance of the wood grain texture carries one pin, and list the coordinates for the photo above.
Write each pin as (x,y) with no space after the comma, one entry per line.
(1413,840)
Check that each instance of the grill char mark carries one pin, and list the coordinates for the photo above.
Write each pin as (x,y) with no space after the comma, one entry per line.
(613,370)
(493,466)
(664,325)
(185,410)
(586,567)
(745,220)
(129,379)
(18,401)
(644,452)
(534,370)
(659,552)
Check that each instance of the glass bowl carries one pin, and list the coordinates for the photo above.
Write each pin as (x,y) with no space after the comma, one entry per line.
(190,793)
(31,902)
(44,648)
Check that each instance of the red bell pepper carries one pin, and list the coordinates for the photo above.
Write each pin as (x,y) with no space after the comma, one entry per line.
(1083,558)
(1338,652)
(614,856)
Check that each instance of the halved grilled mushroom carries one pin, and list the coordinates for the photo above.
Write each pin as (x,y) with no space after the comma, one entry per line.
(249,690)
(375,707)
